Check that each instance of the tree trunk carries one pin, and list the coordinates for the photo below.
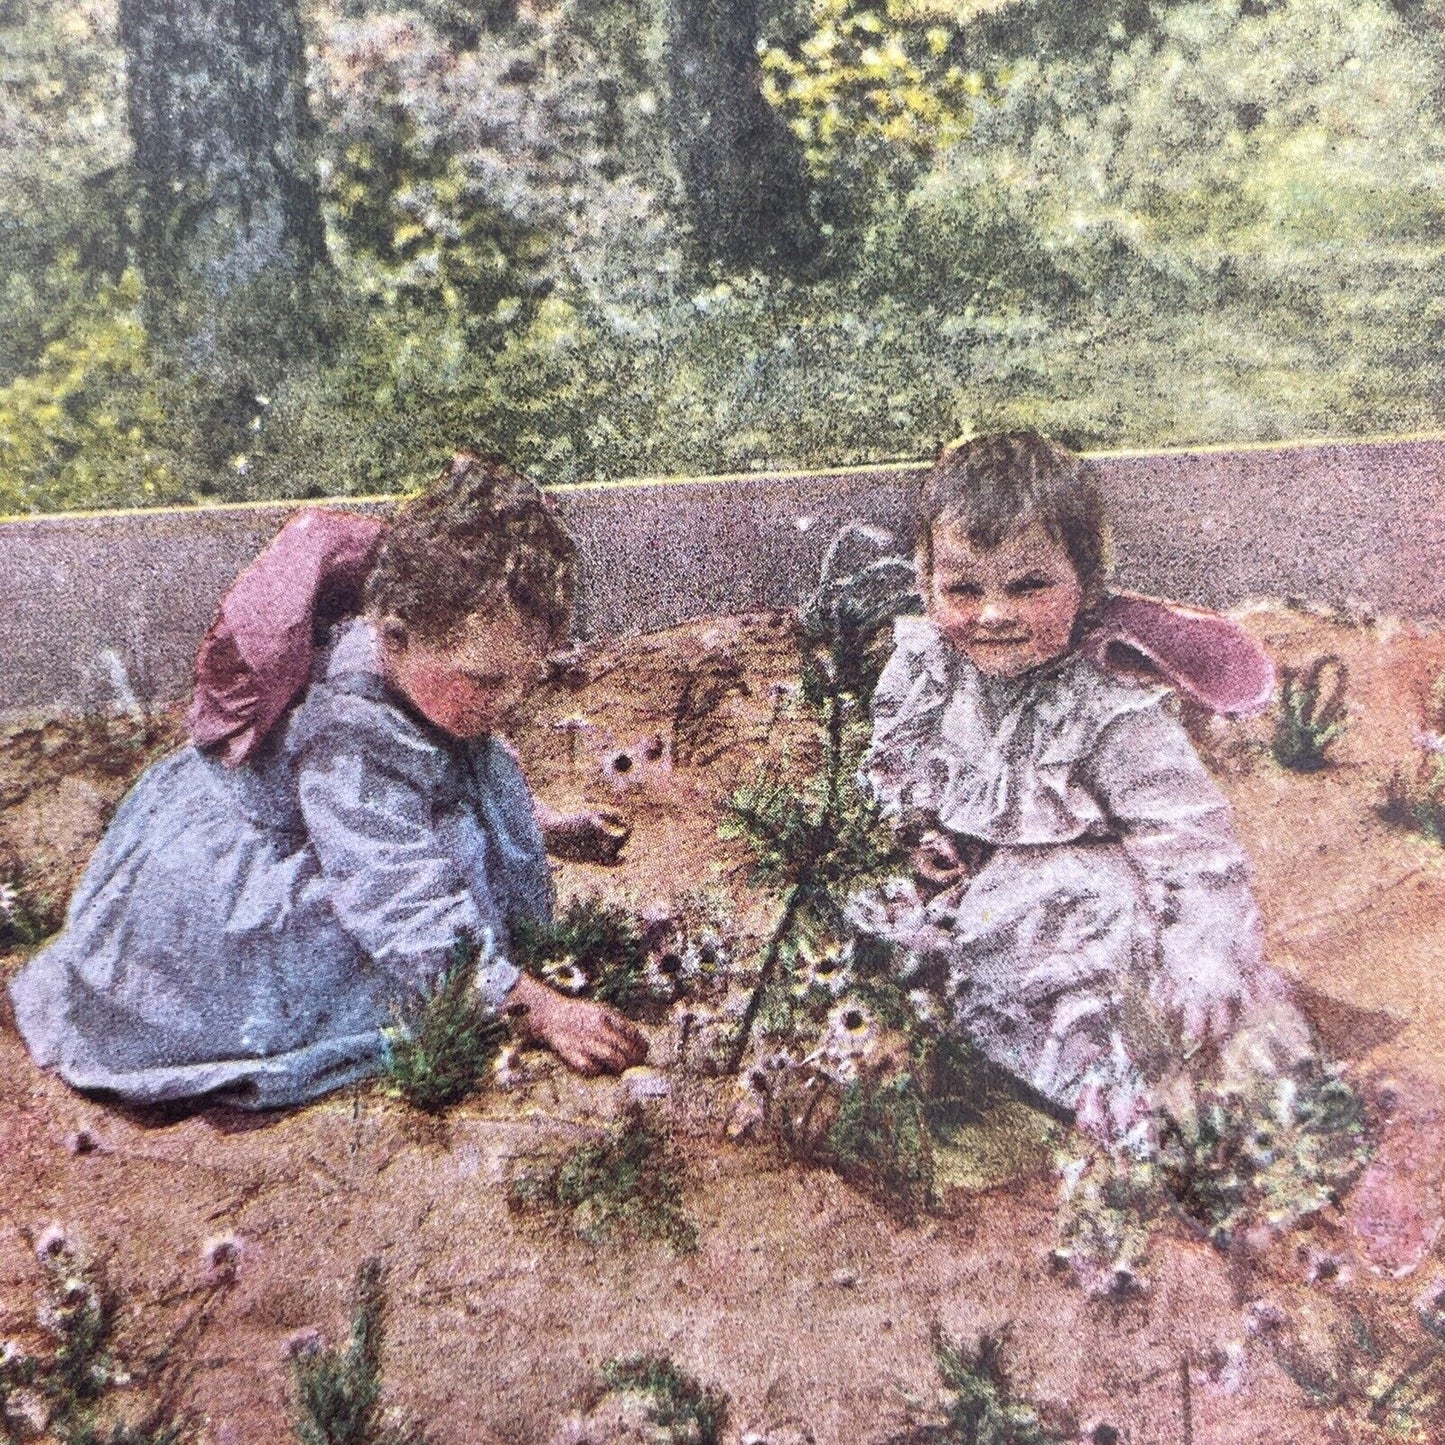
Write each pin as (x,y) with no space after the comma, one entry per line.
(229,212)
(742,170)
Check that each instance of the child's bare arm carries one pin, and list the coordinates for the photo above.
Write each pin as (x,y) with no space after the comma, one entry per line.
(586,1036)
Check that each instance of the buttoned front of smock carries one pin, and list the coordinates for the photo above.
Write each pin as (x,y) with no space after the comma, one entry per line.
(249,932)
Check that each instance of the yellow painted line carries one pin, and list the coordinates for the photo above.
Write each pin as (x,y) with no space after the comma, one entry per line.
(191,509)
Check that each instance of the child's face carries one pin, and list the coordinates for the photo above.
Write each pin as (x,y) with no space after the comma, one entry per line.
(469,685)
(1008,608)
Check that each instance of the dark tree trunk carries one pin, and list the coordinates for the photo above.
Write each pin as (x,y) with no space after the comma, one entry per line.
(742,170)
(230,216)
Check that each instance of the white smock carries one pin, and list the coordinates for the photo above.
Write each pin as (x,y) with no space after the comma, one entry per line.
(1114,888)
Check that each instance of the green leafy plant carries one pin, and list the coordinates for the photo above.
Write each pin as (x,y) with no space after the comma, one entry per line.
(981,1408)
(625,1184)
(689,1412)
(25,918)
(813,841)
(592,948)
(442,1047)
(336,1394)
(1416,800)
(881,1134)
(1312,714)
(72,1387)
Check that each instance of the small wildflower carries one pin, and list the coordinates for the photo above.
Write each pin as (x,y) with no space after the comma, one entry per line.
(1430,1307)
(510,1071)
(52,1245)
(82,1141)
(303,1344)
(222,1255)
(1324,1268)
(566,975)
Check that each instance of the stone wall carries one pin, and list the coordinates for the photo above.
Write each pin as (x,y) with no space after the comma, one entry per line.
(92,607)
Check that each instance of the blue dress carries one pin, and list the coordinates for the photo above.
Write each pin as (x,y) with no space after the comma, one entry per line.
(247,933)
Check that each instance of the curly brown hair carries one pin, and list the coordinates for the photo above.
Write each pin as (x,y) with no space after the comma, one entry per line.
(479,534)
(993,487)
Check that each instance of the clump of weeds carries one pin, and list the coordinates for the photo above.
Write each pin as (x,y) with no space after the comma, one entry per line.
(1312,714)
(67,1392)
(625,1184)
(681,1408)
(880,1137)
(1281,1150)
(336,1394)
(442,1047)
(1415,797)
(981,1407)
(1385,1379)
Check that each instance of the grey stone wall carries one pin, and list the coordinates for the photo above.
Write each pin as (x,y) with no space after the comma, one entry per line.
(94,606)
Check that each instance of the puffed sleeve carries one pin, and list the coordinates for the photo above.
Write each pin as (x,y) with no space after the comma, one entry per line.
(1175,826)
(908,702)
(366,779)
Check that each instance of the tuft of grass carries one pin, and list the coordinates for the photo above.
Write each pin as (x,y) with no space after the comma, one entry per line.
(73,1382)
(602,941)
(690,1412)
(337,1393)
(1312,714)
(625,1184)
(981,1408)
(880,1138)
(444,1045)
(1418,804)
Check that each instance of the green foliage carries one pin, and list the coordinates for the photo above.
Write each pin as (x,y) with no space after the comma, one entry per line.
(337,1393)
(442,1047)
(870,73)
(1312,715)
(981,1408)
(624,1185)
(1416,800)
(592,948)
(80,430)
(1133,223)
(881,1137)
(690,1412)
(817,839)
(25,918)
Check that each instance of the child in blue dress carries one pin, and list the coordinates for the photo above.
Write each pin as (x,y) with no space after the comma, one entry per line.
(244,932)
(1079,884)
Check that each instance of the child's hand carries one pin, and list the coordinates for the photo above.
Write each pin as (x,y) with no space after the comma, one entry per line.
(595,835)
(586,1036)
(936,859)
(1204,1010)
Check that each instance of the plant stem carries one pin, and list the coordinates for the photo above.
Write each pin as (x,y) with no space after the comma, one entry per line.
(765,976)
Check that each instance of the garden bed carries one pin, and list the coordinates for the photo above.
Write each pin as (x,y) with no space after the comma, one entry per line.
(805,1300)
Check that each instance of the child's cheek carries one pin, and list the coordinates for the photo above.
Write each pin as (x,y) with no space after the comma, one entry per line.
(451,702)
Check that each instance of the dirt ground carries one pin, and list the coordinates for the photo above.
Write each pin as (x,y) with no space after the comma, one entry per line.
(805,1300)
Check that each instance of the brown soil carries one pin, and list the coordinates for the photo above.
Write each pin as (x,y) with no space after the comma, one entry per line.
(805,1300)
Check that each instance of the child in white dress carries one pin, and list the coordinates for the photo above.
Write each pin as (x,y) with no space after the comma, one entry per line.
(1078,875)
